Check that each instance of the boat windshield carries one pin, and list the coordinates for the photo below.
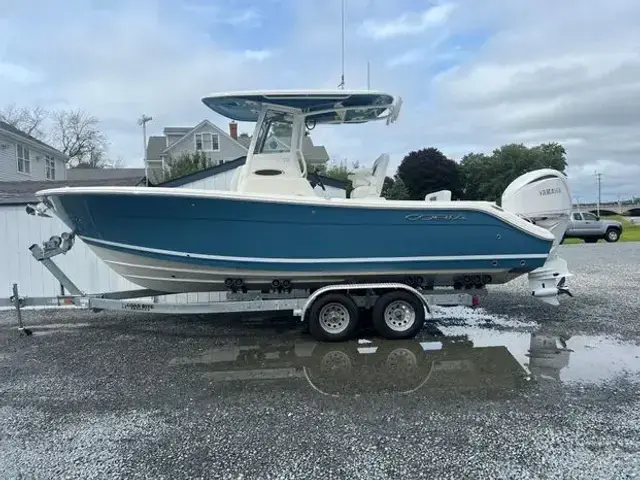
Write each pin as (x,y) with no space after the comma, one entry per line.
(275,133)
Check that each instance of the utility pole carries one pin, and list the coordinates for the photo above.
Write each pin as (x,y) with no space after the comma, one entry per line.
(599,176)
(143,121)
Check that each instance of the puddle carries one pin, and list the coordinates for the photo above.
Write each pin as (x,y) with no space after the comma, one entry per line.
(476,355)
(577,359)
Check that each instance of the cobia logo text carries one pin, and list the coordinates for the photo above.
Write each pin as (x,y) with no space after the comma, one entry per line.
(425,217)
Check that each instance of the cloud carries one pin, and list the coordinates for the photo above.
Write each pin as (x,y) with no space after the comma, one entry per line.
(406,58)
(410,23)
(258,55)
(219,14)
(15,73)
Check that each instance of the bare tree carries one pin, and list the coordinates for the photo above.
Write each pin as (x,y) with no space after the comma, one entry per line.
(79,137)
(29,120)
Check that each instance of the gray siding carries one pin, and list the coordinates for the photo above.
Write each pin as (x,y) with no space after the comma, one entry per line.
(229,150)
(170,139)
(9,162)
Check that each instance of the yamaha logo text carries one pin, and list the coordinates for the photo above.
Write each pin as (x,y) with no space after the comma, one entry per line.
(550,191)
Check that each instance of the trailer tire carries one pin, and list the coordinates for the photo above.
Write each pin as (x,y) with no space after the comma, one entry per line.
(333,317)
(398,315)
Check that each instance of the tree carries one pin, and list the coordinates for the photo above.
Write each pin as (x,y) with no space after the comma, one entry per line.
(475,175)
(186,164)
(78,136)
(398,191)
(337,171)
(394,189)
(428,170)
(387,185)
(485,177)
(29,120)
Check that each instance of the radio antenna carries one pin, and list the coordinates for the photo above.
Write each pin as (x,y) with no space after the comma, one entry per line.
(342,83)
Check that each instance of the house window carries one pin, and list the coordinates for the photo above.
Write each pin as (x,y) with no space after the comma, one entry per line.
(207,142)
(49,167)
(24,161)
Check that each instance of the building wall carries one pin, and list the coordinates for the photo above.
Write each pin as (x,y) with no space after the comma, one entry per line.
(9,162)
(229,149)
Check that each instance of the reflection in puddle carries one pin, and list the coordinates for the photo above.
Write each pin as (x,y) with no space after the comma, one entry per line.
(565,358)
(469,358)
(378,366)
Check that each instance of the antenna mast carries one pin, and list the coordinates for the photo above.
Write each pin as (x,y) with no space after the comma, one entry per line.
(342,84)
(368,76)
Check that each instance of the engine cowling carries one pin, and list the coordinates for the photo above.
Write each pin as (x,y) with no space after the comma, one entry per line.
(543,197)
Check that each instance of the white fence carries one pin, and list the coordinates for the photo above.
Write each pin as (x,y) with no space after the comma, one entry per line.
(19,230)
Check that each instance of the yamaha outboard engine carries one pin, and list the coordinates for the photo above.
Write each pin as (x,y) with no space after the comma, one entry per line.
(543,197)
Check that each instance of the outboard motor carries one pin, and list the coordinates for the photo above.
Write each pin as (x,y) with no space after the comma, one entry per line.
(543,197)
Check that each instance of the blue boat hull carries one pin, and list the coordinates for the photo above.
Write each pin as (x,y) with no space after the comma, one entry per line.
(185,243)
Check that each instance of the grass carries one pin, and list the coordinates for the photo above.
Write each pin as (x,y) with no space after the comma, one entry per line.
(630,231)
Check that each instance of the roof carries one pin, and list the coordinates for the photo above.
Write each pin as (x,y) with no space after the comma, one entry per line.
(219,130)
(176,130)
(17,132)
(244,140)
(104,173)
(246,106)
(155,146)
(23,192)
(233,164)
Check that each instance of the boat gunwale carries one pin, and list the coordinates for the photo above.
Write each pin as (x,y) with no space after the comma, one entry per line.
(479,206)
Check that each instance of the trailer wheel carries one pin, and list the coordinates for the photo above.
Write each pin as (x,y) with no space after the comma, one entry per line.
(398,314)
(333,317)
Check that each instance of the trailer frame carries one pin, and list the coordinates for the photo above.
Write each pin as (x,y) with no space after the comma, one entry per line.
(297,302)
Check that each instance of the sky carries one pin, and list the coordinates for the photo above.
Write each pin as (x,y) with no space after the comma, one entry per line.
(473,74)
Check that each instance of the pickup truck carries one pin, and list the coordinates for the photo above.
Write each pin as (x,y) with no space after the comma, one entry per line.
(591,228)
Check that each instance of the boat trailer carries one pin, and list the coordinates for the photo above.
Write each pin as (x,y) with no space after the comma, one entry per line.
(332,311)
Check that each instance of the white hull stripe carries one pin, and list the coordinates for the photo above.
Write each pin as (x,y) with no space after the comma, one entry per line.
(224,258)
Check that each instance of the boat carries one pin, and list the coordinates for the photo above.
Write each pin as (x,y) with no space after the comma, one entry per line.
(274,230)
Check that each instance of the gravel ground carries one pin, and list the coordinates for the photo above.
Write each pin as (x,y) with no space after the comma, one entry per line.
(515,389)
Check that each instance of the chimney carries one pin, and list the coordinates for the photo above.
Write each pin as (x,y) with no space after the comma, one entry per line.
(233,130)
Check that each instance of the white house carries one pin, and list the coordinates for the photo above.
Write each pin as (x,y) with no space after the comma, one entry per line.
(24,158)
(18,231)
(218,145)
